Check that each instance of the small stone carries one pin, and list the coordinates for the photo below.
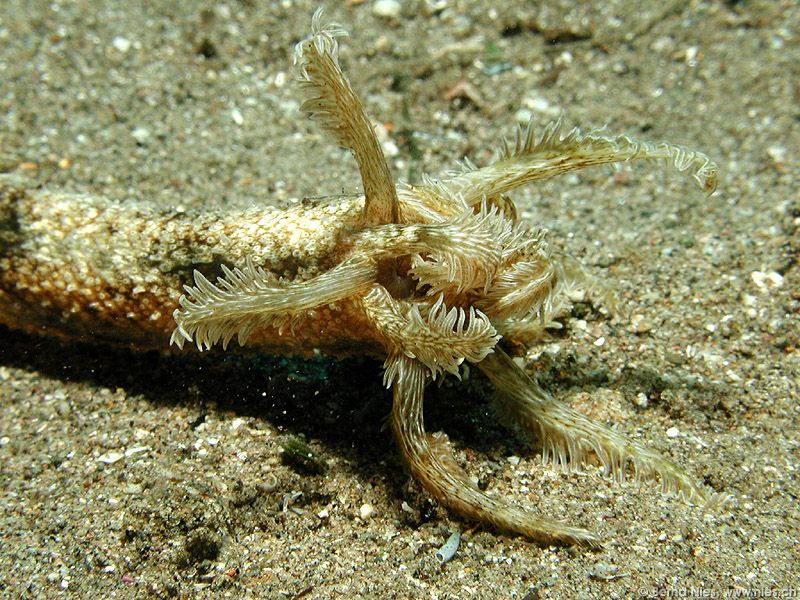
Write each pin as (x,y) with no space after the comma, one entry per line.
(691,55)
(390,148)
(111,457)
(387,9)
(767,280)
(366,511)
(121,44)
(641,324)
(141,135)
(136,450)
(673,432)
(641,400)
(605,572)
(676,358)
(541,106)
(777,153)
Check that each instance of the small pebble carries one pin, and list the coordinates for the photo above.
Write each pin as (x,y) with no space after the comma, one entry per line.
(767,280)
(136,450)
(110,458)
(122,44)
(387,9)
(523,116)
(366,511)
(777,153)
(141,135)
(641,324)
(390,148)
(673,432)
(540,105)
(605,572)
(676,358)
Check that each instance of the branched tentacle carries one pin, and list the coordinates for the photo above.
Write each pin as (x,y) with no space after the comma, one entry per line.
(333,103)
(569,438)
(556,152)
(466,253)
(524,289)
(248,298)
(439,338)
(431,461)
(570,277)
(454,255)
(430,201)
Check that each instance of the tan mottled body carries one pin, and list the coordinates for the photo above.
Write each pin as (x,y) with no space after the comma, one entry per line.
(88,268)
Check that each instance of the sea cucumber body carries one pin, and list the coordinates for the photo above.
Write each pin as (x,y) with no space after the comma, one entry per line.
(92,269)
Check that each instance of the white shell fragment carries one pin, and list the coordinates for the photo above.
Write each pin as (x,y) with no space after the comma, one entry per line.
(448,551)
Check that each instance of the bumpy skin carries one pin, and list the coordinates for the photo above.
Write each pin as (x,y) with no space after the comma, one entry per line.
(101,271)
(427,276)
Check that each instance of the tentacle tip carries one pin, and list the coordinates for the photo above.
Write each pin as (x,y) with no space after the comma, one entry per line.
(715,502)
(589,542)
(709,182)
(176,339)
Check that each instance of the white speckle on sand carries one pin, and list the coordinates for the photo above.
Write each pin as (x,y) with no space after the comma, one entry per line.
(387,9)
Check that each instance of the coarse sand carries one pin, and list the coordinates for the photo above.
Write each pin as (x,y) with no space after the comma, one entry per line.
(127,475)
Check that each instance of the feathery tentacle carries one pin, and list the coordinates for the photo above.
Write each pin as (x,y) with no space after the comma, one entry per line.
(555,153)
(332,102)
(568,437)
(439,338)
(248,298)
(431,462)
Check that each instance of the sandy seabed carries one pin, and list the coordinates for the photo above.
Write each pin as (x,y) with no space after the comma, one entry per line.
(130,475)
